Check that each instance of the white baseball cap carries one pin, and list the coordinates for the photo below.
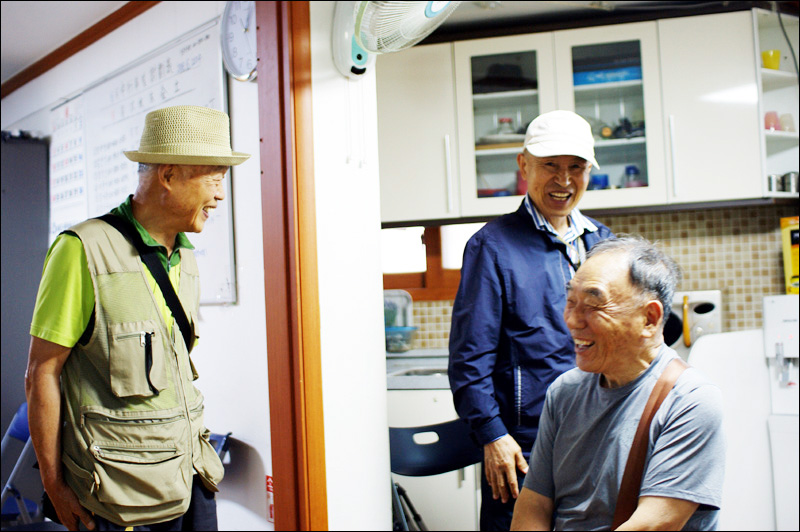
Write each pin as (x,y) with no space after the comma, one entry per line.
(560,133)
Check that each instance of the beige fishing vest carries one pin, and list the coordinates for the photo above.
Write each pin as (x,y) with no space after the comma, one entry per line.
(132,441)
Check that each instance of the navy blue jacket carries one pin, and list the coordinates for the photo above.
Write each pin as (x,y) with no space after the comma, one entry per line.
(508,340)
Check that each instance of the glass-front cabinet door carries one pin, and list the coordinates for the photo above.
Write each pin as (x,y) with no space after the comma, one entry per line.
(502,84)
(610,76)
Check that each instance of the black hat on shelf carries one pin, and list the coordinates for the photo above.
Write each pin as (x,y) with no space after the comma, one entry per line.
(503,77)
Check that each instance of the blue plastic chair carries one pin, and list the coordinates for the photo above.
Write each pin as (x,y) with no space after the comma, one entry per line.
(221,443)
(453,448)
(24,479)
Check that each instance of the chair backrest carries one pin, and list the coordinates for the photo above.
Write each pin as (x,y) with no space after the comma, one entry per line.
(220,442)
(453,449)
(18,428)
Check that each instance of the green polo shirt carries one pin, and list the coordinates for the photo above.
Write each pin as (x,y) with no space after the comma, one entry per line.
(65,300)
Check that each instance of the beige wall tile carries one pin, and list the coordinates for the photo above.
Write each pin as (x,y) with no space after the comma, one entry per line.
(735,250)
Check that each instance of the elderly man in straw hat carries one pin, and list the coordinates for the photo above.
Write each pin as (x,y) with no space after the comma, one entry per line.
(115,419)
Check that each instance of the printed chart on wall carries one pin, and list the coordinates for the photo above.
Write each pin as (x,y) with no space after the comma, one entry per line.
(89,173)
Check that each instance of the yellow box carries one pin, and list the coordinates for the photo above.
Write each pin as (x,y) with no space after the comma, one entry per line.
(789,234)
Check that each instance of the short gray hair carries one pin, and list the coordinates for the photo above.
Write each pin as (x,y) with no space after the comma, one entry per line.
(650,270)
(146,168)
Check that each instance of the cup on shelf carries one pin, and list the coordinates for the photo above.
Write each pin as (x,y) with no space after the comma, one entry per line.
(774,183)
(771,121)
(598,182)
(789,182)
(632,177)
(771,59)
(787,122)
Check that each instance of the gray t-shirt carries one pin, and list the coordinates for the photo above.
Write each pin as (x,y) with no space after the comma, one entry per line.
(586,432)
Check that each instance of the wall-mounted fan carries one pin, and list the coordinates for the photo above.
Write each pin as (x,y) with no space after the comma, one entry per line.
(361,29)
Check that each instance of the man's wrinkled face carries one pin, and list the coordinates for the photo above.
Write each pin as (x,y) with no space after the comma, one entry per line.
(555,184)
(605,314)
(195,192)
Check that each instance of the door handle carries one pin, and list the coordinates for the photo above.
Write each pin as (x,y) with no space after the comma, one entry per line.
(673,158)
(448,173)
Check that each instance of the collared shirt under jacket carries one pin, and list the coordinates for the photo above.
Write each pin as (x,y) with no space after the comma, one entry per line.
(508,340)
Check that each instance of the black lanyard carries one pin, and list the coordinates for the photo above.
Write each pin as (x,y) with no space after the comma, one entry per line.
(150,258)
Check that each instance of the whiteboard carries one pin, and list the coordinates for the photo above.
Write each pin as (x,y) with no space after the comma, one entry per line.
(89,175)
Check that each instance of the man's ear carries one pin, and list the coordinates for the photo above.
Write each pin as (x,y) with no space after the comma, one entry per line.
(654,317)
(522,163)
(166,175)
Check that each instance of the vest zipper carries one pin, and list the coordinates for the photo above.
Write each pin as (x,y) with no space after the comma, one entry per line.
(179,378)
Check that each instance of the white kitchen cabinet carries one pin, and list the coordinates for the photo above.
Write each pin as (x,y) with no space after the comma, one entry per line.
(694,84)
(610,75)
(449,501)
(498,79)
(569,68)
(417,134)
(711,104)
(777,94)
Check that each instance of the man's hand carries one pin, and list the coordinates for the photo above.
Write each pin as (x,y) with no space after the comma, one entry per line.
(501,460)
(68,507)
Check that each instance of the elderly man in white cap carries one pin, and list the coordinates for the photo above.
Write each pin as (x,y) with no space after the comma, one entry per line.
(115,419)
(508,342)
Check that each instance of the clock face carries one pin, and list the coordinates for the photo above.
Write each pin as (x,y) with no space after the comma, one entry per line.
(238,36)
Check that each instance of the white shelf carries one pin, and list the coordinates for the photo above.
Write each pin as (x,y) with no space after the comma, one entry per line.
(509,150)
(615,143)
(777,79)
(613,85)
(781,194)
(611,143)
(504,95)
(781,135)
(507,98)
(781,140)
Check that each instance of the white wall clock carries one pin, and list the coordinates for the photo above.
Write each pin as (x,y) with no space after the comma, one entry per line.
(238,39)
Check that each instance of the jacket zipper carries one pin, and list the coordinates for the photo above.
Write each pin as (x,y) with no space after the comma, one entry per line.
(518,394)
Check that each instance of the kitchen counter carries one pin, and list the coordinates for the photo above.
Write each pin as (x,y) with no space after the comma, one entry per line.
(417,369)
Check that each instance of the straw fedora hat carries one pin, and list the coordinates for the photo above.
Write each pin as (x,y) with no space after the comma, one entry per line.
(186,134)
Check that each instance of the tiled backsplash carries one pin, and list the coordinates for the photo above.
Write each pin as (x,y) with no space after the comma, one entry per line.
(735,250)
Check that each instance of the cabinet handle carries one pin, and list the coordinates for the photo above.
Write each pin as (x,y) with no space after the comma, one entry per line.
(461,477)
(449,173)
(672,155)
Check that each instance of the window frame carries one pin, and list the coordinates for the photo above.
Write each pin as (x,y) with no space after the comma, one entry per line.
(435,283)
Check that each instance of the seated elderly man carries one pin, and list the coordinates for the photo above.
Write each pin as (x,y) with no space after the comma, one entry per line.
(615,312)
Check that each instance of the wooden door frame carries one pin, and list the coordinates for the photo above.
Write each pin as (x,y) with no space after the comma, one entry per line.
(290,265)
(290,251)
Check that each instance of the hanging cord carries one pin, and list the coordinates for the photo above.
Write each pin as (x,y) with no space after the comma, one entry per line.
(785,36)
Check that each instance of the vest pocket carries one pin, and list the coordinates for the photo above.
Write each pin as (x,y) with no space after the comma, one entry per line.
(206,460)
(137,360)
(139,475)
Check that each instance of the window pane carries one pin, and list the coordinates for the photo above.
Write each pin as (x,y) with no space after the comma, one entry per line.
(454,239)
(402,250)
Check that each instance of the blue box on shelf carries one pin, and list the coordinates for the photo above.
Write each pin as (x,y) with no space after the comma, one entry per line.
(607,76)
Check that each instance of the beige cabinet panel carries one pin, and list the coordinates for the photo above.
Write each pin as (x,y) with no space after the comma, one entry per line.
(417,136)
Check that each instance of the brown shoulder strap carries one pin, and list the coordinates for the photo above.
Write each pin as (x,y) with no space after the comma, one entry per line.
(628,497)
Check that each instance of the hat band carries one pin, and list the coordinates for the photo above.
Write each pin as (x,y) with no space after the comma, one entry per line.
(187,148)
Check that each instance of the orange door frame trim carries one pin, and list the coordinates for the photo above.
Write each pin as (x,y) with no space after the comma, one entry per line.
(290,265)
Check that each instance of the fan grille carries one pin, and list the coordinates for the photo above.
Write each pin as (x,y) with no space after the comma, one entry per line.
(383,27)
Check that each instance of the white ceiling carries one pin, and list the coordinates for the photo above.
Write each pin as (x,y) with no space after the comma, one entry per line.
(31,30)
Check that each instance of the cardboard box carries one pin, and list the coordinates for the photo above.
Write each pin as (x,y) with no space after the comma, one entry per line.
(789,235)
